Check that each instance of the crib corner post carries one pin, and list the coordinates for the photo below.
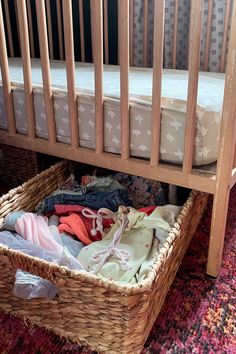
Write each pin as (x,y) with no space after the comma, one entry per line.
(225,160)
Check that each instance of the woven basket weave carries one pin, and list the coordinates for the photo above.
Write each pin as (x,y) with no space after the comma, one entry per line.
(16,165)
(107,317)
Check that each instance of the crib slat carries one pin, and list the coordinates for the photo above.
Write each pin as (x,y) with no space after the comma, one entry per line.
(106,39)
(92,31)
(8,25)
(119,30)
(96,12)
(159,17)
(6,77)
(17,25)
(49,25)
(145,33)
(31,32)
(131,32)
(24,36)
(175,34)
(123,20)
(81,28)
(225,36)
(59,30)
(44,55)
(208,35)
(70,71)
(194,62)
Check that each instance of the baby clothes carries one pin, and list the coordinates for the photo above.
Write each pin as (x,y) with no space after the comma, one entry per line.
(119,261)
(16,242)
(148,210)
(93,200)
(94,192)
(168,213)
(29,286)
(35,229)
(68,187)
(10,220)
(101,184)
(53,220)
(142,191)
(70,184)
(128,251)
(74,225)
(96,222)
(146,266)
(73,246)
(90,182)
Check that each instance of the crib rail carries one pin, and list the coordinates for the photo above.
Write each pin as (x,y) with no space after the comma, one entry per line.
(153,168)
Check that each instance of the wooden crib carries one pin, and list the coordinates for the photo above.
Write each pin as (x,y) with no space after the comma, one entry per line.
(218,183)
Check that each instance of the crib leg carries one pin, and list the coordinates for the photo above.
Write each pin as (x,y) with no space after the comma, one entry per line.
(218,225)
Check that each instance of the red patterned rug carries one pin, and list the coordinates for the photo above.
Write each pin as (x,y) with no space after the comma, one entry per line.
(199,314)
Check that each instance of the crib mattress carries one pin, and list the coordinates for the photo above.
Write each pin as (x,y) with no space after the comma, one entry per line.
(173,103)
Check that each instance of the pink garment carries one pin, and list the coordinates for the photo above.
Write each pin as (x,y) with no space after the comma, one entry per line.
(34,228)
(89,218)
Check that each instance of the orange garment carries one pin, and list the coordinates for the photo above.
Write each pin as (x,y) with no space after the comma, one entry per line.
(74,226)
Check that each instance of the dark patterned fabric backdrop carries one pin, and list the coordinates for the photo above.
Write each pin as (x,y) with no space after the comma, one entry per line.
(217,27)
(218,16)
(112,25)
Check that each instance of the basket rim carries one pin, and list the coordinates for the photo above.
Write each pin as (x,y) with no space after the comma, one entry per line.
(125,289)
(34,179)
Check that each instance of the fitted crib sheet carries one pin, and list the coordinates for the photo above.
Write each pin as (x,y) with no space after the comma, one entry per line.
(173,103)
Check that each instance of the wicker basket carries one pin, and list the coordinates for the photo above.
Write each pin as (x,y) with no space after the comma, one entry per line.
(92,311)
(16,165)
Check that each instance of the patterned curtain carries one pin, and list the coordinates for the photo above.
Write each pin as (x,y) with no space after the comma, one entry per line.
(217,27)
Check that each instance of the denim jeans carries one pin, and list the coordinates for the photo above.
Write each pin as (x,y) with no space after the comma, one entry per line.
(94,200)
